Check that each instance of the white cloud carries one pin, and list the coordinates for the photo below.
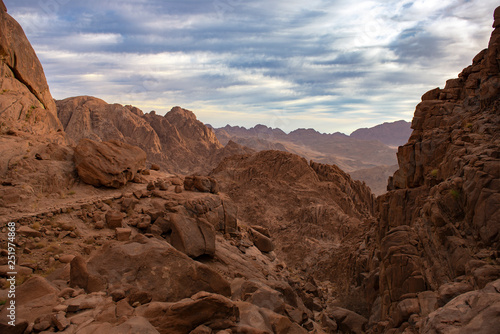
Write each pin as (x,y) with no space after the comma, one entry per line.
(323,64)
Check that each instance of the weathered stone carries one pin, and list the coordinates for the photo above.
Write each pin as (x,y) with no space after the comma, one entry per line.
(263,243)
(110,164)
(184,316)
(149,265)
(114,219)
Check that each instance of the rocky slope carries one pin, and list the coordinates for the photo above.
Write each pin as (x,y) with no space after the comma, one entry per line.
(315,213)
(108,246)
(33,158)
(363,154)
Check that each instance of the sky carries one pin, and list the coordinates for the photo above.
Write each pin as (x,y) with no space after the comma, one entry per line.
(334,65)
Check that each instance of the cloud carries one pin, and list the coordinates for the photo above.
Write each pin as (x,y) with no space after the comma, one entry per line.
(332,65)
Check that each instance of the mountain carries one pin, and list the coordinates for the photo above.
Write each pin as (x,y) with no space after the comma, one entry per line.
(391,134)
(368,159)
(177,142)
(267,243)
(348,153)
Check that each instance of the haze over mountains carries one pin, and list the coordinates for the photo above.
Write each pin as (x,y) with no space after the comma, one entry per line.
(132,222)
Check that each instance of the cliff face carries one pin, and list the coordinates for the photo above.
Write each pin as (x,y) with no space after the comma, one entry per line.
(25,100)
(438,233)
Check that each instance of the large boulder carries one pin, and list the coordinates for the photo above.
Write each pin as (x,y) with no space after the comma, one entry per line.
(193,237)
(471,312)
(110,164)
(212,310)
(154,266)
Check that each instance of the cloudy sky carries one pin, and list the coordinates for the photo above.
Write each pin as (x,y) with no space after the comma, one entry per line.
(333,65)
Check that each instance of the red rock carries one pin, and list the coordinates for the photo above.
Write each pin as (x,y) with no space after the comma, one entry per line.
(114,219)
(158,262)
(109,164)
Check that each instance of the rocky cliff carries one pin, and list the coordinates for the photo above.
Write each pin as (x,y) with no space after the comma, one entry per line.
(438,232)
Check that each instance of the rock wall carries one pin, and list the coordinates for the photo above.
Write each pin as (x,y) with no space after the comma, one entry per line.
(438,233)
(25,100)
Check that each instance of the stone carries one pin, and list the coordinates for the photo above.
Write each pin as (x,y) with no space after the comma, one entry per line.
(28,232)
(66,258)
(155,167)
(141,297)
(347,321)
(471,312)
(149,265)
(117,295)
(60,321)
(114,219)
(192,237)
(123,234)
(110,164)
(263,243)
(79,275)
(186,315)
(448,291)
(201,183)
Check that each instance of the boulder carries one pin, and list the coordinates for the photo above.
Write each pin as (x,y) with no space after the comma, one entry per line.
(263,243)
(203,308)
(154,266)
(348,321)
(110,164)
(202,184)
(192,237)
(471,312)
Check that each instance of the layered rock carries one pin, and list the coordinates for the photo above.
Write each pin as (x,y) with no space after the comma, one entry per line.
(439,224)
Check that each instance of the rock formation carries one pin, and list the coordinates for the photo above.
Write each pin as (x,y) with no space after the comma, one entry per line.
(109,164)
(438,232)
(177,142)
(313,211)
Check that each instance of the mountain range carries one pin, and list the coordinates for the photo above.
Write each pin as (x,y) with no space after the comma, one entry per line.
(128,222)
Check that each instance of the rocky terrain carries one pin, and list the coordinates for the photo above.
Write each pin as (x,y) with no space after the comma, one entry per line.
(118,230)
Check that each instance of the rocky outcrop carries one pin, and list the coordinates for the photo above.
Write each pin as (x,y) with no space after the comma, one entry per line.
(25,100)
(438,232)
(92,118)
(109,164)
(34,160)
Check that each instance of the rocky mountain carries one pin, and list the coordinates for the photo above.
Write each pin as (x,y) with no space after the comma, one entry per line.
(106,245)
(267,243)
(177,142)
(348,153)
(369,160)
(435,264)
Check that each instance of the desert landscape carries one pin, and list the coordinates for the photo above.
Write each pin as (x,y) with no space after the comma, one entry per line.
(116,220)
